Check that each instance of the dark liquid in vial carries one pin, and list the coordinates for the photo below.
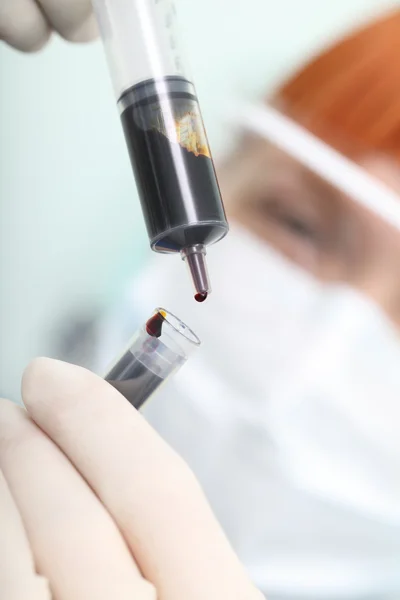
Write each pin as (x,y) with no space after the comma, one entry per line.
(173,167)
(133,380)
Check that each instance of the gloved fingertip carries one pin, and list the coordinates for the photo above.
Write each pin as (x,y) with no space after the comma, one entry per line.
(8,409)
(40,44)
(87,31)
(46,380)
(29,44)
(34,369)
(41,371)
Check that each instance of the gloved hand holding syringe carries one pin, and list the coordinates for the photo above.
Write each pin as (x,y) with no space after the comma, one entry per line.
(164,131)
(160,113)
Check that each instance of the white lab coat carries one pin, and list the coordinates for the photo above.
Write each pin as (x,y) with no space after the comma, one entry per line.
(295,542)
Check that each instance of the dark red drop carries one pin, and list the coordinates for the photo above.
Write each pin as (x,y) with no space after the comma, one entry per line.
(154,325)
(199,297)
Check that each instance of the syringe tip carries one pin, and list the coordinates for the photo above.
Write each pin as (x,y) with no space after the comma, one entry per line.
(195,258)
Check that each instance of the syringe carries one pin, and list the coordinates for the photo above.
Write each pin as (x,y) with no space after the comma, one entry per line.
(164,131)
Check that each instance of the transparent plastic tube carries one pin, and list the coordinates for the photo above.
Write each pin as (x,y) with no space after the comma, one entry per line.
(164,131)
(141,41)
(155,353)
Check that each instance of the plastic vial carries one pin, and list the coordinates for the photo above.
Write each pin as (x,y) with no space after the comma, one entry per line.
(157,351)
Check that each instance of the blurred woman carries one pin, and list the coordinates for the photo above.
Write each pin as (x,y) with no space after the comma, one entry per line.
(290,414)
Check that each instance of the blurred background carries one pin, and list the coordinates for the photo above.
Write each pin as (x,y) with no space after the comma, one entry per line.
(71,231)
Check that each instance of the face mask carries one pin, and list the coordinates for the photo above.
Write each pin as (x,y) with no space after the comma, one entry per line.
(314,368)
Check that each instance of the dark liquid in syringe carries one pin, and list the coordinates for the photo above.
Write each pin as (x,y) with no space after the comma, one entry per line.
(172,163)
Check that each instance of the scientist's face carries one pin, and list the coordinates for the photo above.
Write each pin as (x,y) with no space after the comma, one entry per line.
(315,225)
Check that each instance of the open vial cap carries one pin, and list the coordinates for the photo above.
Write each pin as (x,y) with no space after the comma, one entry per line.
(172,332)
(165,343)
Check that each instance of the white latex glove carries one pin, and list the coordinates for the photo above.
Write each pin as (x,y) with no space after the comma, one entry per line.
(109,511)
(28,24)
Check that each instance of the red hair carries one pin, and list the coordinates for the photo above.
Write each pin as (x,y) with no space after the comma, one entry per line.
(350,94)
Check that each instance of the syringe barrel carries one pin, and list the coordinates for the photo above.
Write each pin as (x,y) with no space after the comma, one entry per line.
(163,125)
(172,163)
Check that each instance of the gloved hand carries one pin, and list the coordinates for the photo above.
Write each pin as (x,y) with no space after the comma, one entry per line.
(109,510)
(28,24)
